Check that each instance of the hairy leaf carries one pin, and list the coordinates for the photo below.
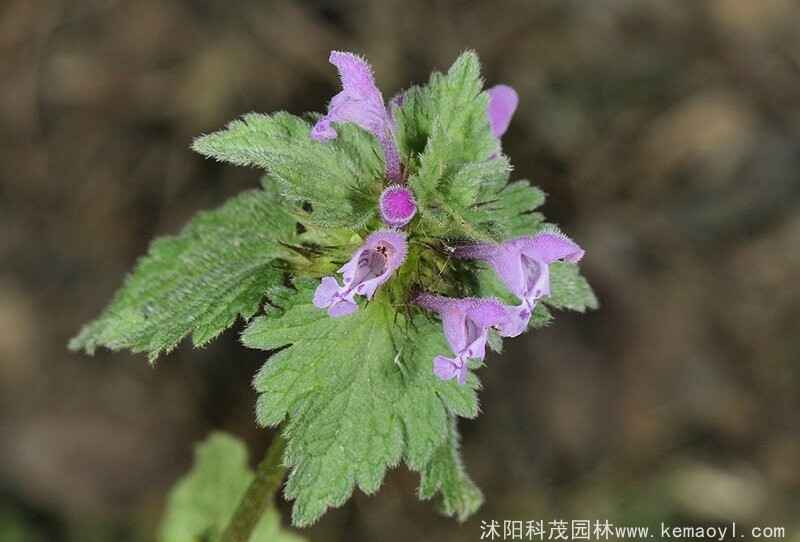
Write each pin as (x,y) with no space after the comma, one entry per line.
(445,474)
(478,205)
(449,115)
(476,182)
(569,289)
(359,394)
(500,213)
(219,267)
(341,178)
(202,503)
(458,174)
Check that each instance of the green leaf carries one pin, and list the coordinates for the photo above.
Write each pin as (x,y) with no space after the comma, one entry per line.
(341,178)
(501,213)
(248,142)
(540,317)
(449,115)
(218,268)
(459,177)
(202,503)
(509,211)
(359,393)
(445,474)
(413,121)
(495,341)
(475,179)
(568,289)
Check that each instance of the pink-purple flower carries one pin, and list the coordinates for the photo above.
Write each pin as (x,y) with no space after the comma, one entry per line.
(466,324)
(361,103)
(522,264)
(397,206)
(369,267)
(503,102)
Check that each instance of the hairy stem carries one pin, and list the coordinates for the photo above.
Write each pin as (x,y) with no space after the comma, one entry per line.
(260,495)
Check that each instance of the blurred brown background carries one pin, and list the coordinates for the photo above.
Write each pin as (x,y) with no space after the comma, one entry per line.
(666,133)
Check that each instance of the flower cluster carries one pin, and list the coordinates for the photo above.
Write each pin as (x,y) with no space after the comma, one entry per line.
(361,103)
(521,264)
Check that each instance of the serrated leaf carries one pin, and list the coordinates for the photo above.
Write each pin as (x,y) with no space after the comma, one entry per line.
(568,289)
(413,121)
(540,317)
(498,215)
(359,394)
(495,341)
(249,140)
(460,178)
(218,268)
(341,178)
(504,213)
(511,209)
(202,503)
(464,189)
(445,474)
(449,115)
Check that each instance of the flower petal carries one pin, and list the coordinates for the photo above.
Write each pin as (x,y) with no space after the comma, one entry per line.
(325,292)
(466,321)
(521,264)
(537,278)
(503,102)
(361,103)
(518,320)
(454,317)
(551,246)
(342,308)
(508,266)
(504,259)
(461,373)
(445,368)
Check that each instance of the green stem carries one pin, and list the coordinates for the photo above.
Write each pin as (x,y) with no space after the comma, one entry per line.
(260,494)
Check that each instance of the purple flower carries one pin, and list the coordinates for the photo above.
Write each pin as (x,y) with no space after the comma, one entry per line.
(466,324)
(522,265)
(503,102)
(397,206)
(361,103)
(369,267)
